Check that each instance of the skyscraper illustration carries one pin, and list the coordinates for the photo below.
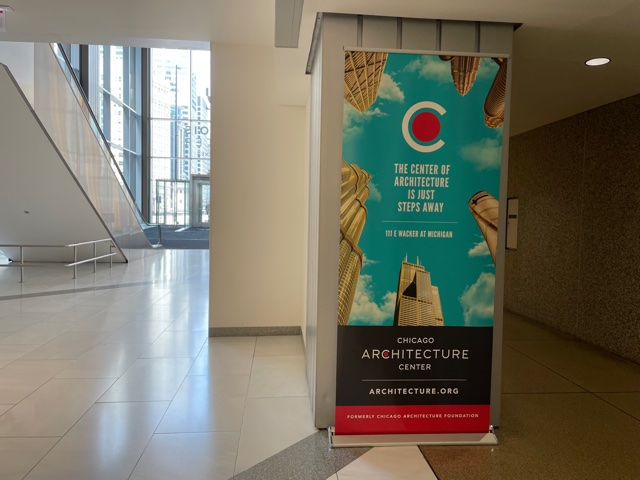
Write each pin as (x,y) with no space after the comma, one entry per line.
(464,71)
(353,214)
(495,102)
(362,77)
(484,209)
(418,301)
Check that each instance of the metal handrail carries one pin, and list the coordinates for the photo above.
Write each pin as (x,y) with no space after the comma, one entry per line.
(75,262)
(97,130)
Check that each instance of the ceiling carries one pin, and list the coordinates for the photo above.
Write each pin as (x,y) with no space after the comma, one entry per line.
(550,80)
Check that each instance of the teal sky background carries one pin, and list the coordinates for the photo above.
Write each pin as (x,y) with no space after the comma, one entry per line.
(460,267)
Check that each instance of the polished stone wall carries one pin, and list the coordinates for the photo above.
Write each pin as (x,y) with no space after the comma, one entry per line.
(577,266)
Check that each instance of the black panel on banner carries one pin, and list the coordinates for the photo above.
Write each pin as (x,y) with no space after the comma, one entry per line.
(414,365)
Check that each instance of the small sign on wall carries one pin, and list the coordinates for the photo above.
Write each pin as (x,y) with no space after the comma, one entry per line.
(3,14)
(512,223)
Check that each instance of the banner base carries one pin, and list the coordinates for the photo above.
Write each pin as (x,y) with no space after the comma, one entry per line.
(403,440)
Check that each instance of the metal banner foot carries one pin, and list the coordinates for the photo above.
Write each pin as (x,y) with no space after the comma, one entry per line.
(403,440)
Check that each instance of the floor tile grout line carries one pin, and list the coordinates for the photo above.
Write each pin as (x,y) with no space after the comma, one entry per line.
(244,408)
(48,381)
(79,418)
(173,398)
(589,346)
(547,367)
(44,456)
(424,454)
(614,406)
(144,450)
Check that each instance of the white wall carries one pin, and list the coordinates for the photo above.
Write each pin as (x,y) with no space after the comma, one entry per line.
(259,188)
(19,57)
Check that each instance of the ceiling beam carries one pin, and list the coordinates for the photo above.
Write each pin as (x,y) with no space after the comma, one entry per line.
(288,17)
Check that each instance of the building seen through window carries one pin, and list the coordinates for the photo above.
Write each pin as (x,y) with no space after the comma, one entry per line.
(180,136)
(153,107)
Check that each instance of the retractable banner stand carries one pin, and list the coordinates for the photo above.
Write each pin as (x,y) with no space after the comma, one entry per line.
(422,147)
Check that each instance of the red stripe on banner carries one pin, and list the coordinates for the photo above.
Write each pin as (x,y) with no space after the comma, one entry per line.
(398,419)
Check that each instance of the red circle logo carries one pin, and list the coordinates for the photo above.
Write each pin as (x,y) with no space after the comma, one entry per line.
(425,127)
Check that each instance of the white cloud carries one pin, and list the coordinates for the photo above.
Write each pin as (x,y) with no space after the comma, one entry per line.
(374,193)
(389,89)
(366,261)
(477,300)
(431,68)
(488,68)
(365,309)
(480,249)
(485,154)
(353,120)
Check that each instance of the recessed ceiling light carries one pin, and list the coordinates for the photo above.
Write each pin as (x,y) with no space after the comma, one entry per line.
(594,62)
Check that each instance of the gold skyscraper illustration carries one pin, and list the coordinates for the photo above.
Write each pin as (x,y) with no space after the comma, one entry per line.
(494,104)
(464,71)
(417,301)
(353,214)
(484,208)
(362,77)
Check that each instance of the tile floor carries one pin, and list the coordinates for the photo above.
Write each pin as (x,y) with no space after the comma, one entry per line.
(112,376)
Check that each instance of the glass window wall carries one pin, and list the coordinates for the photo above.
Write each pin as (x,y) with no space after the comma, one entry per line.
(117,80)
(180,126)
(176,124)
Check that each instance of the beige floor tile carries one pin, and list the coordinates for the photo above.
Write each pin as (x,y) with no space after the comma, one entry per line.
(69,345)
(280,345)
(207,404)
(163,310)
(278,376)
(148,380)
(53,409)
(233,358)
(38,334)
(188,456)
(176,344)
(21,378)
(271,425)
(138,332)
(13,352)
(99,325)
(78,313)
(6,309)
(19,455)
(105,444)
(17,322)
(191,321)
(225,340)
(388,463)
(104,361)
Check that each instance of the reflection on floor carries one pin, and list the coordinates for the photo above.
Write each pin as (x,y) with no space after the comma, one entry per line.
(112,376)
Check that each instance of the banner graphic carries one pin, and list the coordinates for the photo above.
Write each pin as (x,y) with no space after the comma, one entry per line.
(422,148)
